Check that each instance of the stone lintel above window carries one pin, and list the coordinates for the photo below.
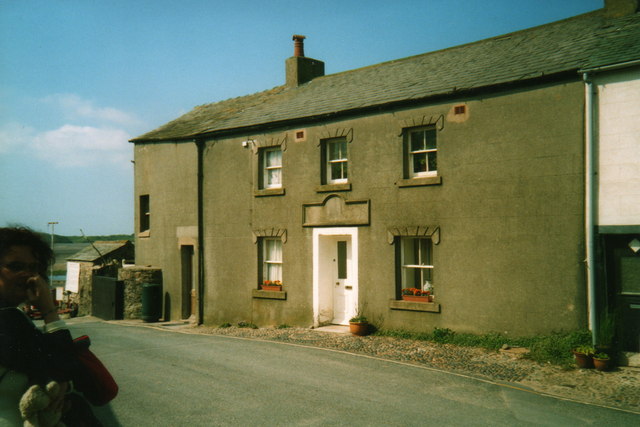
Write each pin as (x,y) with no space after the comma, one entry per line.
(346,133)
(270,232)
(264,142)
(432,231)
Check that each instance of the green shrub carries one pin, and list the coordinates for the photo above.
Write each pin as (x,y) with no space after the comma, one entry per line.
(556,348)
(247,325)
(442,335)
(226,325)
(283,326)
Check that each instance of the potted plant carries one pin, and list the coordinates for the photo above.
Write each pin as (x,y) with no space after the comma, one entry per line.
(271,285)
(359,325)
(584,356)
(602,361)
(416,295)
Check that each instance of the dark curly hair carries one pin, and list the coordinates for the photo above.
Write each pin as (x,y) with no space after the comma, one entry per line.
(21,236)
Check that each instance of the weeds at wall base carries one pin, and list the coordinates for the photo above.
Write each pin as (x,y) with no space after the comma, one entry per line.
(554,348)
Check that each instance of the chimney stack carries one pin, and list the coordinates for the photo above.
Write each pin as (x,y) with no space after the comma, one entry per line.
(299,68)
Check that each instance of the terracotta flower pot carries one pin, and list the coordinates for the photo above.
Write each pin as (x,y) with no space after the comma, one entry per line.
(602,364)
(583,361)
(359,328)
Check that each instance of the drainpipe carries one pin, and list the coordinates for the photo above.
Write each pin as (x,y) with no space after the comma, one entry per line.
(590,202)
(200,192)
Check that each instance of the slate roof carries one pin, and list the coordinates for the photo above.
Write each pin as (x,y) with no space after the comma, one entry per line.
(89,254)
(584,41)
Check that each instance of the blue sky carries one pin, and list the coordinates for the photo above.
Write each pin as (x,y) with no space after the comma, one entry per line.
(79,78)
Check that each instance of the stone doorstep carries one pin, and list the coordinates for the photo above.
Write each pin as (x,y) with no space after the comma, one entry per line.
(338,329)
(630,359)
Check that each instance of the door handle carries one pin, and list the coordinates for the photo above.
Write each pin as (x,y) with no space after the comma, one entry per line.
(348,287)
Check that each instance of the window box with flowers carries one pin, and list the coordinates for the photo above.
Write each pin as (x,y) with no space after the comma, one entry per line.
(417,295)
(271,285)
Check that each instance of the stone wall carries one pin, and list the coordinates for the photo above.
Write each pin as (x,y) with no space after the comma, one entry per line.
(133,278)
(85,288)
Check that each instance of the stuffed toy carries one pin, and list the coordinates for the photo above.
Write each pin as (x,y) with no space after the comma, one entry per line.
(33,406)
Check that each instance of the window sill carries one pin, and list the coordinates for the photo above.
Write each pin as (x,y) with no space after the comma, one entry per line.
(328,188)
(269,192)
(431,307)
(146,233)
(260,294)
(420,182)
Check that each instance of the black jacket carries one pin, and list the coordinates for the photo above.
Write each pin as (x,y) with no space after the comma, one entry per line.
(42,356)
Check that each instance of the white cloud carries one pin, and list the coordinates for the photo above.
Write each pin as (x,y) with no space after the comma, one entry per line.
(13,135)
(75,107)
(83,146)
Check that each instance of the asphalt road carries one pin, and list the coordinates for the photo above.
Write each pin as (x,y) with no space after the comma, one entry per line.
(168,378)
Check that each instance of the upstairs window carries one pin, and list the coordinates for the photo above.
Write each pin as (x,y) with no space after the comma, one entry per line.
(335,163)
(145,213)
(421,153)
(271,167)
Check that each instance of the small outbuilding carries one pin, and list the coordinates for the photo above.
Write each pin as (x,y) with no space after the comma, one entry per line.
(102,258)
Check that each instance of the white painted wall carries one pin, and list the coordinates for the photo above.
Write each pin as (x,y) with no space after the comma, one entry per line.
(619,148)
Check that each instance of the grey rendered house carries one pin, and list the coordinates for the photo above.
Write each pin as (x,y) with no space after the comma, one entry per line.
(460,171)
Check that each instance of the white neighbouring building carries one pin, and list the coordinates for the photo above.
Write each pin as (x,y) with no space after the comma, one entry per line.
(615,128)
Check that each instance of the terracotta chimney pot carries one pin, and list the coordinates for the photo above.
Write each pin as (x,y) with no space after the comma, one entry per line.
(298,45)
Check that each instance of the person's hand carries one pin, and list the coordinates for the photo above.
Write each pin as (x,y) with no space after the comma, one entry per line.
(39,294)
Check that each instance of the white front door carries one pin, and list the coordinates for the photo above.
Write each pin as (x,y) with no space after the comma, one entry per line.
(342,289)
(335,275)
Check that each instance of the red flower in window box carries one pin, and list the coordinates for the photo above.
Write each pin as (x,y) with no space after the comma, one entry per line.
(271,285)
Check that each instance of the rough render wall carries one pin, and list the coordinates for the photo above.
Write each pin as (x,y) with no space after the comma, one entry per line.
(167,172)
(510,209)
(619,148)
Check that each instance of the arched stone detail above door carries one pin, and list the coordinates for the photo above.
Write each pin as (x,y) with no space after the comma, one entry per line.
(334,210)
(432,231)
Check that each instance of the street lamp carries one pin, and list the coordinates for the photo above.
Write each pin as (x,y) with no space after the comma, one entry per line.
(52,224)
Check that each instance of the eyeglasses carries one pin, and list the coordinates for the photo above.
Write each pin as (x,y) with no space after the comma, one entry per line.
(19,267)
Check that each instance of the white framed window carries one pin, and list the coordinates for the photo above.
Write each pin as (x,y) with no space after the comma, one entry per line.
(336,163)
(422,152)
(272,167)
(416,262)
(271,258)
